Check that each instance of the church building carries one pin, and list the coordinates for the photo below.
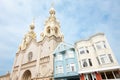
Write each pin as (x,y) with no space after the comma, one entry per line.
(34,60)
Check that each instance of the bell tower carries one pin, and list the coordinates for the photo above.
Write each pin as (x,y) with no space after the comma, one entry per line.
(50,38)
(52,26)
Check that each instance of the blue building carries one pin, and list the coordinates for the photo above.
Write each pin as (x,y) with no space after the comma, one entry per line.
(65,62)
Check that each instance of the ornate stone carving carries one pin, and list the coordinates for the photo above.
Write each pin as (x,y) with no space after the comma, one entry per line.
(28,37)
(52,26)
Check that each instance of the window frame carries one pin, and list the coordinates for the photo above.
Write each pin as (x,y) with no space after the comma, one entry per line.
(74,66)
(30,56)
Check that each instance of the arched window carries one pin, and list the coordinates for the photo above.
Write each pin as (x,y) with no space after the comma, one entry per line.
(56,30)
(48,29)
(30,55)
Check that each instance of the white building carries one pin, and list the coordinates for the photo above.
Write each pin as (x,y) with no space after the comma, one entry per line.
(96,59)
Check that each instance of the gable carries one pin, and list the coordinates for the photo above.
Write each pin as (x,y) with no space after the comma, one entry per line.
(62,46)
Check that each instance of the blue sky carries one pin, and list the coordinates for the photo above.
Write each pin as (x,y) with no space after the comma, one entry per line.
(79,19)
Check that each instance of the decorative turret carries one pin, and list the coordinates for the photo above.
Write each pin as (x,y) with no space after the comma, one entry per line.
(52,26)
(28,37)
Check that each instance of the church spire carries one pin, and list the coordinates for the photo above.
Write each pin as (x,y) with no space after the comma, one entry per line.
(28,37)
(32,25)
(31,32)
(52,26)
(52,10)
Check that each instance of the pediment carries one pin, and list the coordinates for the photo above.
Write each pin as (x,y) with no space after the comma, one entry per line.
(62,46)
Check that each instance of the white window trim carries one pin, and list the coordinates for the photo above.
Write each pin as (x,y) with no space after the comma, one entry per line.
(106,57)
(59,57)
(59,69)
(72,64)
(87,60)
(69,54)
(68,68)
(100,43)
(83,49)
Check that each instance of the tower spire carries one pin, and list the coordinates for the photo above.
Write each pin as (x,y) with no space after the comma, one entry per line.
(28,37)
(52,5)
(52,10)
(52,25)
(32,25)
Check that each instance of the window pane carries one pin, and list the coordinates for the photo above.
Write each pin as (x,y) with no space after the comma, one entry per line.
(30,54)
(109,75)
(56,69)
(100,45)
(117,74)
(87,51)
(98,60)
(110,57)
(104,59)
(103,75)
(82,52)
(71,54)
(89,76)
(72,67)
(60,69)
(90,63)
(84,63)
(67,68)
(58,57)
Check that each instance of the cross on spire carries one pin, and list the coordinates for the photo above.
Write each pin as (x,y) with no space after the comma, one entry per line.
(32,26)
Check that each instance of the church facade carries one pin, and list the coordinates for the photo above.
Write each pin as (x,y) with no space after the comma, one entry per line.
(34,60)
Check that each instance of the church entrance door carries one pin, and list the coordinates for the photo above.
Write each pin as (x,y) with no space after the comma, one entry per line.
(26,75)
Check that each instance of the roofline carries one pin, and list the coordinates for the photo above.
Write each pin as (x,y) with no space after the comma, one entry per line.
(90,37)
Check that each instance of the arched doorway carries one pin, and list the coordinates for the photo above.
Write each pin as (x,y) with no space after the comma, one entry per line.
(26,75)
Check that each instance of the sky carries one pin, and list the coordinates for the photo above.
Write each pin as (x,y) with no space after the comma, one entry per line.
(79,19)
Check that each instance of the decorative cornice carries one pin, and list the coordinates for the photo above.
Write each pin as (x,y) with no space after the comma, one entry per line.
(30,62)
(98,34)
(58,39)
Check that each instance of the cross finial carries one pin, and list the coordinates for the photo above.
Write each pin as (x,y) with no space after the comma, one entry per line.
(33,21)
(32,25)
(52,5)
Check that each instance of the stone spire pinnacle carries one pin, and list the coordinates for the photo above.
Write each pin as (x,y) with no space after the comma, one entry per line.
(52,26)
(32,25)
(30,35)
(52,10)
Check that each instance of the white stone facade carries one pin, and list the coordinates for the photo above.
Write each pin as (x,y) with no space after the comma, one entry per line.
(96,52)
(34,60)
